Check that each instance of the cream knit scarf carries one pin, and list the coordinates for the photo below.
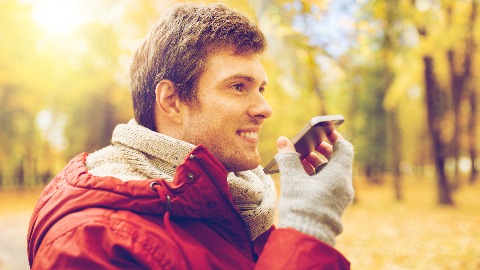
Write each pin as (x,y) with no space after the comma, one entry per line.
(139,153)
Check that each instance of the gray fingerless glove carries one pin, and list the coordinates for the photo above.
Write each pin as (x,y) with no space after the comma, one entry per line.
(314,204)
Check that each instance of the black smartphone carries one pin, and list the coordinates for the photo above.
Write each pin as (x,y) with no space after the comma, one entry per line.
(309,137)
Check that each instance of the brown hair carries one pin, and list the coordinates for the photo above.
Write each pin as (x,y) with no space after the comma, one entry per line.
(177,46)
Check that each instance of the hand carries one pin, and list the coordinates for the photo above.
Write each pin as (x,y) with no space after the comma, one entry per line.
(313,162)
(314,204)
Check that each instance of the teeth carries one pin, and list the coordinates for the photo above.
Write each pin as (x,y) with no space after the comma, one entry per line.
(252,135)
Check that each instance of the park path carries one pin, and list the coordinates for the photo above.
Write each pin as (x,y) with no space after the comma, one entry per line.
(13,240)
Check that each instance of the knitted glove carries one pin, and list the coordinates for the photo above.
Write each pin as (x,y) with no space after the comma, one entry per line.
(313,204)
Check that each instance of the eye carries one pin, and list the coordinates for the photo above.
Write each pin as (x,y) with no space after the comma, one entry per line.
(238,87)
(262,90)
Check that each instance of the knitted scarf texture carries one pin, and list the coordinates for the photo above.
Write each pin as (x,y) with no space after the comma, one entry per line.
(138,153)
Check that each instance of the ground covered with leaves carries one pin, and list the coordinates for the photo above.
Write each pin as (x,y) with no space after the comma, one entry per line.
(16,207)
(416,233)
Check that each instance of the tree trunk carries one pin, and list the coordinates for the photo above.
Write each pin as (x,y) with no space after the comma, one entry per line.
(395,143)
(395,146)
(20,176)
(435,111)
(457,89)
(472,132)
(460,76)
(472,125)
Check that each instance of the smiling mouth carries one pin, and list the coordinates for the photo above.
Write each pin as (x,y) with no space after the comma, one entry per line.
(250,134)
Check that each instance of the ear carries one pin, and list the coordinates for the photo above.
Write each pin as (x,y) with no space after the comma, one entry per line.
(167,101)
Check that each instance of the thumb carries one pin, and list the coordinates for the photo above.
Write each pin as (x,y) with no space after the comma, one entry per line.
(285,145)
(288,160)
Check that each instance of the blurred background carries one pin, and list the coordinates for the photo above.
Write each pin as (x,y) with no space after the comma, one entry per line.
(403,73)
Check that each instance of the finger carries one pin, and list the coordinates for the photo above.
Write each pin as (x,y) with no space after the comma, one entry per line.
(285,145)
(313,159)
(288,159)
(335,136)
(309,169)
(325,149)
(311,162)
(321,166)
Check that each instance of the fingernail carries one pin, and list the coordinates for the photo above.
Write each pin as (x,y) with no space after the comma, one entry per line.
(282,144)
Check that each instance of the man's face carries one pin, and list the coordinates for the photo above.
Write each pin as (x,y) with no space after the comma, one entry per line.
(230,109)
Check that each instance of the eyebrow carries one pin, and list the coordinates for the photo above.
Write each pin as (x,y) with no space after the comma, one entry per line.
(246,77)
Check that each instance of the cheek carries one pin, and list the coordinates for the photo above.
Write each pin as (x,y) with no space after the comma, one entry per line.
(201,129)
(215,121)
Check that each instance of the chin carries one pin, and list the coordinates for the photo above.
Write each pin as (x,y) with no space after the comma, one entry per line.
(242,165)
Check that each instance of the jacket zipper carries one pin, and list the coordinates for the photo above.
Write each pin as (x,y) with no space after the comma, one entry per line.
(225,198)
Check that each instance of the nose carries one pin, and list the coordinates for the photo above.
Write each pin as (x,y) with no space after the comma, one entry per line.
(260,109)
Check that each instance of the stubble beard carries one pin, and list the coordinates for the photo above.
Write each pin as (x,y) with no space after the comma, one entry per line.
(226,151)
(232,157)
(236,161)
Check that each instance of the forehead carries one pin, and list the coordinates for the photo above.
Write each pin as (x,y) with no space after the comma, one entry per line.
(223,65)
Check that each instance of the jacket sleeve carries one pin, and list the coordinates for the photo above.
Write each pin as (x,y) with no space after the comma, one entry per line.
(82,248)
(291,249)
(83,241)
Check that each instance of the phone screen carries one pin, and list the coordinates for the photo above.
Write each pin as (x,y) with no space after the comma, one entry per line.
(309,137)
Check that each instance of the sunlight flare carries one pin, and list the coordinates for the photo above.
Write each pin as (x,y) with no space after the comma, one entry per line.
(60,17)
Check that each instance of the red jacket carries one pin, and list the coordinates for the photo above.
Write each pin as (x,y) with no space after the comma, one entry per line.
(83,221)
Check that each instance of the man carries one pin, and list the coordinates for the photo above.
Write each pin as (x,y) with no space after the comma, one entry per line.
(181,187)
